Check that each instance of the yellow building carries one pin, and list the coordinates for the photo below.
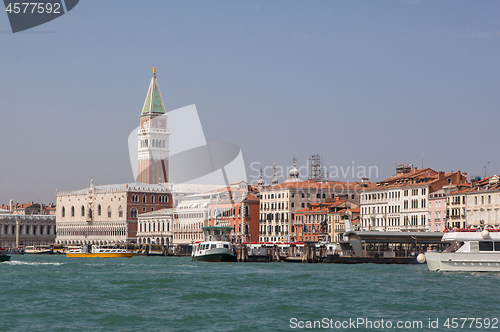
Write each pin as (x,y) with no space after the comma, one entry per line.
(337,214)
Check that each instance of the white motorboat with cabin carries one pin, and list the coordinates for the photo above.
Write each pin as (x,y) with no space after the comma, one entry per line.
(40,249)
(469,251)
(216,247)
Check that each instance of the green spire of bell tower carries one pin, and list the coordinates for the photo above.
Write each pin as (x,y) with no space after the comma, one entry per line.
(154,101)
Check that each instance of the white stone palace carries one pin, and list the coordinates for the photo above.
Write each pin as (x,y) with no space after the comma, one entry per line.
(106,214)
(25,230)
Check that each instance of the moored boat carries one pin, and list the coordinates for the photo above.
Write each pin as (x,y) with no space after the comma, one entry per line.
(90,250)
(469,251)
(216,247)
(40,249)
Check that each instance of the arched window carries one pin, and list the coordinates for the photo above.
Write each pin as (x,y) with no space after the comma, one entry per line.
(83,211)
(109,211)
(152,198)
(72,211)
(144,198)
(133,212)
(120,211)
(99,210)
(90,213)
(63,211)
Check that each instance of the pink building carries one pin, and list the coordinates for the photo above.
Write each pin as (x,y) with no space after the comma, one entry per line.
(437,211)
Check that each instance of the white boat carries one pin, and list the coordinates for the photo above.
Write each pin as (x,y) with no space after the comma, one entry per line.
(41,249)
(216,247)
(469,251)
(90,250)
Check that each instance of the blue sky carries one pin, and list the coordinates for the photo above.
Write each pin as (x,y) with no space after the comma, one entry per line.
(374,82)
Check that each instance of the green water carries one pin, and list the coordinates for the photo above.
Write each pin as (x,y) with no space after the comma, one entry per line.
(56,293)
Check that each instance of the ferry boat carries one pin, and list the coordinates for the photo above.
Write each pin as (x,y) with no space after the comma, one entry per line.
(216,247)
(90,250)
(469,251)
(3,255)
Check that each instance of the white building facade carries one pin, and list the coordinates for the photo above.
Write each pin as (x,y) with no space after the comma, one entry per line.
(106,214)
(155,227)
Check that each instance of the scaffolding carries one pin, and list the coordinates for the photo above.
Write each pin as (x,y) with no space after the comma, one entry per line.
(315,166)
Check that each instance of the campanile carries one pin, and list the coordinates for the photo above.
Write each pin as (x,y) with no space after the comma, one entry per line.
(153,137)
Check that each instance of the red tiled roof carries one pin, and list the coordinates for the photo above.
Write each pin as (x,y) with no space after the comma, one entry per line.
(330,185)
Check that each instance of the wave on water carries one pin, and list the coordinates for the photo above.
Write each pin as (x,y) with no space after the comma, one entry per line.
(32,263)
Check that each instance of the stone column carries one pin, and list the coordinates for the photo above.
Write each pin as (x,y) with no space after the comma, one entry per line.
(17,233)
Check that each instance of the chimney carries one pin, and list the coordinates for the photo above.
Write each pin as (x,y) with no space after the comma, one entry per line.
(473,182)
(440,175)
(11,205)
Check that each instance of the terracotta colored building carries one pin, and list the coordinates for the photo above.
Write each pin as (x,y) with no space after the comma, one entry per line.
(311,222)
(238,209)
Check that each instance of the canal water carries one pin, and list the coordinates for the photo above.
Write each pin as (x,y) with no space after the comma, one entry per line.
(56,293)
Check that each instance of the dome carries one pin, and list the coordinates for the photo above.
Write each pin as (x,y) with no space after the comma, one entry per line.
(293,173)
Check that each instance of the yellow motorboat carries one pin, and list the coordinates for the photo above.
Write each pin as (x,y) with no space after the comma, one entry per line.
(90,250)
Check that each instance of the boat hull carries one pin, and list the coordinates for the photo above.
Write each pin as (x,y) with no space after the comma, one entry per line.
(474,262)
(216,257)
(375,260)
(103,254)
(4,258)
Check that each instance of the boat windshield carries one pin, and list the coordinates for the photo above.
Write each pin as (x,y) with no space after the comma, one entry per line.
(454,246)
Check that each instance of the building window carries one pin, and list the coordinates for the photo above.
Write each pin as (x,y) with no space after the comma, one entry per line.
(83,211)
(109,211)
(72,211)
(63,212)
(143,209)
(120,211)
(144,198)
(99,210)
(133,213)
(152,199)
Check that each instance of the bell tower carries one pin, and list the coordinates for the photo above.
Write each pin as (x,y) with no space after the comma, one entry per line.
(153,138)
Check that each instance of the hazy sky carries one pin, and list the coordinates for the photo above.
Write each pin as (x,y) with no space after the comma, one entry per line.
(370,82)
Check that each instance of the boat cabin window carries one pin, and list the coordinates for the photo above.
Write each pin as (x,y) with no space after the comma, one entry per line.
(213,246)
(227,245)
(497,246)
(485,246)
